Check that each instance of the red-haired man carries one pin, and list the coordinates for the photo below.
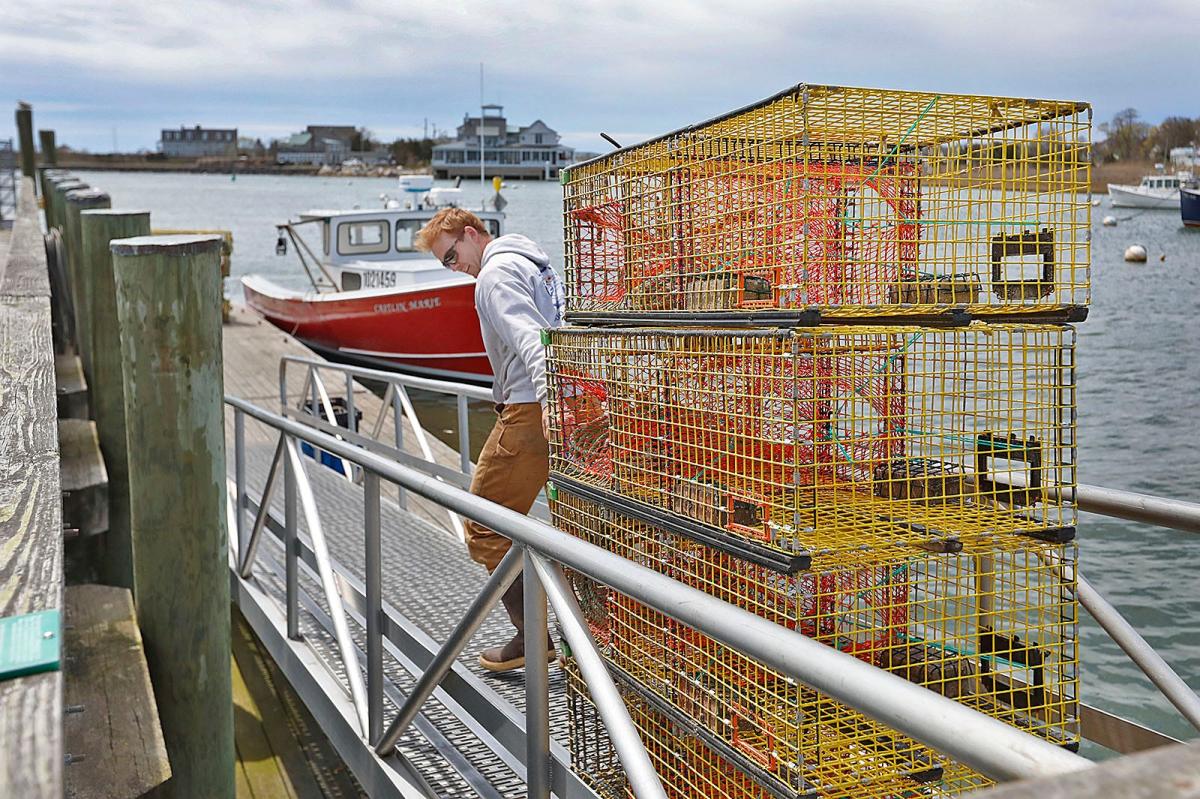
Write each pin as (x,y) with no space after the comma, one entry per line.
(517,295)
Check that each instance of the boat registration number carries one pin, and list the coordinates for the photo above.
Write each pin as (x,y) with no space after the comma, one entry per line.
(379,280)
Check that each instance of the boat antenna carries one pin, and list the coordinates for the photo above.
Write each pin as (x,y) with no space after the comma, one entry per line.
(610,140)
(482,177)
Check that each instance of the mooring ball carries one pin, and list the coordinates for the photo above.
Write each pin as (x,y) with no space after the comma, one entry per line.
(1135,253)
(1110,221)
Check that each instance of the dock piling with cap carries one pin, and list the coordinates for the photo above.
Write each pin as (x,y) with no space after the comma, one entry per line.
(168,299)
(99,227)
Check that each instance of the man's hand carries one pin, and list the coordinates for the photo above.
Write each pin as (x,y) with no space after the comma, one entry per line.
(546,421)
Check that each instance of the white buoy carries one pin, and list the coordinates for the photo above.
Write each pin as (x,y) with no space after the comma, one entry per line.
(1096,202)
(1135,253)
(1110,221)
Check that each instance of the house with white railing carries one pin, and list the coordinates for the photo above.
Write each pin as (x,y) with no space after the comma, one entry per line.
(532,151)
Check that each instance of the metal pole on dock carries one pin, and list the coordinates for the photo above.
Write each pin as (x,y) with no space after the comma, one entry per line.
(49,147)
(106,389)
(78,280)
(25,137)
(168,298)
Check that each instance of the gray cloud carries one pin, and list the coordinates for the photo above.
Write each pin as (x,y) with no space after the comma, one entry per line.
(582,66)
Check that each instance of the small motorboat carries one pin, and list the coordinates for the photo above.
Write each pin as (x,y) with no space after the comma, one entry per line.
(1189,205)
(1155,191)
(375,299)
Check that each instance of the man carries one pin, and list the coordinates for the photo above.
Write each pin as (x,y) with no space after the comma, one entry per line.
(517,295)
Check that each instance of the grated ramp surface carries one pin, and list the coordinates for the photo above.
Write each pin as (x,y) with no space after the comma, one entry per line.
(428,577)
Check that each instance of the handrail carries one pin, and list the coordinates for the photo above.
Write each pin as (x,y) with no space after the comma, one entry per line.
(981,742)
(1173,513)
(383,376)
(1118,503)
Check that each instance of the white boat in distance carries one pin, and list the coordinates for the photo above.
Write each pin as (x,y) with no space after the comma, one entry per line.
(1155,191)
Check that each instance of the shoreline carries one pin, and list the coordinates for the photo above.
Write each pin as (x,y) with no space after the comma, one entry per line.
(1129,172)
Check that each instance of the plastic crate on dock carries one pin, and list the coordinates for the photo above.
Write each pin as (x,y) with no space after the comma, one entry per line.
(993,626)
(845,201)
(821,439)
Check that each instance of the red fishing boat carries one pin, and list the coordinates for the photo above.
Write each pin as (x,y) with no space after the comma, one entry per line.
(375,299)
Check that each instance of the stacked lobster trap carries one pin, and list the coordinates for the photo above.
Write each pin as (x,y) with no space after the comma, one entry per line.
(820,366)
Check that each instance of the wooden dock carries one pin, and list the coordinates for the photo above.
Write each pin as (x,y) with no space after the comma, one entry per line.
(31,535)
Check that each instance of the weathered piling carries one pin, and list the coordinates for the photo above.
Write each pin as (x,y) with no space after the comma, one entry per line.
(77,277)
(61,187)
(49,147)
(25,137)
(168,298)
(99,228)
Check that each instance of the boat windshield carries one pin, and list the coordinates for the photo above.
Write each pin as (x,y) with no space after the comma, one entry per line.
(406,232)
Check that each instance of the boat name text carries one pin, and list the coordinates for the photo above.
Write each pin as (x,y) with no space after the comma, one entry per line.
(426,304)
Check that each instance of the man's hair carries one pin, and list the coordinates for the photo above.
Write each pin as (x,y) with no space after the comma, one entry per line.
(448,220)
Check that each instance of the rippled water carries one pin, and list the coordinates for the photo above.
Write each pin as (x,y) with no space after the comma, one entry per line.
(1138,372)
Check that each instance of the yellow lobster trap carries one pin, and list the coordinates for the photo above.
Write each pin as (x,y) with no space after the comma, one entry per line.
(690,769)
(841,201)
(993,626)
(821,439)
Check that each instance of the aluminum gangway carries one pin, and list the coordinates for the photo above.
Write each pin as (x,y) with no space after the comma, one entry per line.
(329,570)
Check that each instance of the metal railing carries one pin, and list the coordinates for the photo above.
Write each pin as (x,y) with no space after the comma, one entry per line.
(1108,729)
(986,744)
(395,406)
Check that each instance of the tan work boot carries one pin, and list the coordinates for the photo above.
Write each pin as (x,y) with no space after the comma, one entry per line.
(511,656)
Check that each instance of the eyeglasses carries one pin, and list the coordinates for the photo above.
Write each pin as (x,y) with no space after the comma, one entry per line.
(451,256)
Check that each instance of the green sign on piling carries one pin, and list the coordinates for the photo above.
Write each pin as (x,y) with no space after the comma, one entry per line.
(99,228)
(168,298)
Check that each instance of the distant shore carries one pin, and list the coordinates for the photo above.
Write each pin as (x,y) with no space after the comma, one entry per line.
(1102,174)
(255,166)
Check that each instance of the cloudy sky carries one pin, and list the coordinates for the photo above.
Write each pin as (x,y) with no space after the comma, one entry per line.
(98,69)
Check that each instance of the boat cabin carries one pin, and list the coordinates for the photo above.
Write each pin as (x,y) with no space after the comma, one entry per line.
(365,250)
(1167,182)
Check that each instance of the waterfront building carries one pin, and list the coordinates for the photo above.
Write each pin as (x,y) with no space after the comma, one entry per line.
(330,145)
(347,134)
(1184,157)
(532,151)
(199,142)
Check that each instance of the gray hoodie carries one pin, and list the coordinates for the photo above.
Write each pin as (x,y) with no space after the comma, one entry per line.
(517,295)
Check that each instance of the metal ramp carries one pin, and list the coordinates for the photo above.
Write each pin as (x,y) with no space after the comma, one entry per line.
(428,579)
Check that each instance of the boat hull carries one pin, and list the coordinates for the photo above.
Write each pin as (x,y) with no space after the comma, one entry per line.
(1135,197)
(1189,207)
(430,331)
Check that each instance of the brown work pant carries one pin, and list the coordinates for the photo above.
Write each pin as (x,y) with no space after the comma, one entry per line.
(512,469)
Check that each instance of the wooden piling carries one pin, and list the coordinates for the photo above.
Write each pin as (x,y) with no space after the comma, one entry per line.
(49,177)
(49,148)
(60,189)
(99,228)
(168,298)
(25,137)
(78,277)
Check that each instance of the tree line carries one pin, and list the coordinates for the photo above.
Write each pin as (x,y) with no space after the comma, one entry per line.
(1129,138)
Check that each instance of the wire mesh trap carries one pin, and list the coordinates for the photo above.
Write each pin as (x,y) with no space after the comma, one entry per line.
(824,439)
(993,626)
(848,200)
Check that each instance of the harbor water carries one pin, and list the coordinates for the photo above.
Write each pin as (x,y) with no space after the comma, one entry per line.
(1138,368)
